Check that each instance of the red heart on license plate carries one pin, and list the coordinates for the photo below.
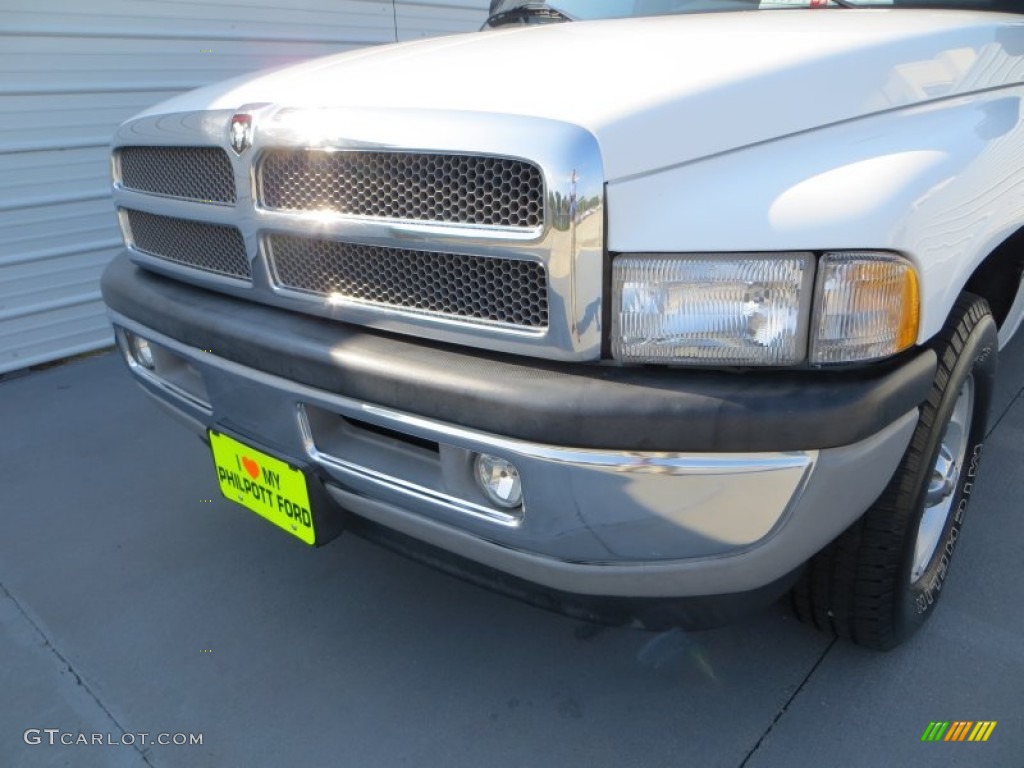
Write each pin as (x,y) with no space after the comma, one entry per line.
(251,467)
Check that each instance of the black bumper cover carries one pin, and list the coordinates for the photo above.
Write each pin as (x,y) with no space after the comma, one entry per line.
(569,404)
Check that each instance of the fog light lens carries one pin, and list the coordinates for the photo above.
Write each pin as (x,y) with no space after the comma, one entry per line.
(499,480)
(866,307)
(141,351)
(711,309)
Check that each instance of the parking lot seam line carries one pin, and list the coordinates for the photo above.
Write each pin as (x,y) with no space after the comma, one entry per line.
(1002,415)
(6,593)
(790,700)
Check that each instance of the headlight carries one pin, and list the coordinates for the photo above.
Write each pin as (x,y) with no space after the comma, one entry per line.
(866,307)
(711,309)
(756,309)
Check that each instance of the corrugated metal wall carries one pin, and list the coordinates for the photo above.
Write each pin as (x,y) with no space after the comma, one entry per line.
(71,71)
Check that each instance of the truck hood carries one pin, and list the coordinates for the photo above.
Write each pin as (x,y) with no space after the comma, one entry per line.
(661,91)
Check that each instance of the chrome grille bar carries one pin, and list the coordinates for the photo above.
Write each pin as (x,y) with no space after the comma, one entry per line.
(564,193)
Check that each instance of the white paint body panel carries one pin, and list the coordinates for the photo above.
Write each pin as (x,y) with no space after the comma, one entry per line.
(664,90)
(941,183)
(751,131)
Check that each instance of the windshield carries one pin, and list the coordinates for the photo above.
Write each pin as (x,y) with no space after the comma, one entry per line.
(527,11)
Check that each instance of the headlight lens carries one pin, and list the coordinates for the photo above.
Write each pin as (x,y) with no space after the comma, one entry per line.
(866,307)
(755,309)
(711,309)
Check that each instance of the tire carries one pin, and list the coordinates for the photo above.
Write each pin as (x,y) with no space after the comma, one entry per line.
(880,580)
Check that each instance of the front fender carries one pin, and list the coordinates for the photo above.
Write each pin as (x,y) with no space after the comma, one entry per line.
(942,183)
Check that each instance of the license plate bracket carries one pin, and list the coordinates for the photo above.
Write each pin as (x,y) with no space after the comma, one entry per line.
(284,492)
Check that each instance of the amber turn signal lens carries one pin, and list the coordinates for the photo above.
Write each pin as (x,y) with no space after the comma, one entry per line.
(867,306)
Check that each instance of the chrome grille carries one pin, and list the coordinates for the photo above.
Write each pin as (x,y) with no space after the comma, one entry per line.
(463,189)
(190,173)
(209,247)
(490,290)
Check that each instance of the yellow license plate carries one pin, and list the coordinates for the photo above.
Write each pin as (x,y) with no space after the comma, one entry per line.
(269,487)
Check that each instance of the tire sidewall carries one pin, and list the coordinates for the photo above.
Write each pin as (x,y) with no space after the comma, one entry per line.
(977,358)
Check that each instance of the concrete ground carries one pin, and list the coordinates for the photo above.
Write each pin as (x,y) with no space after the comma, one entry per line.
(133,599)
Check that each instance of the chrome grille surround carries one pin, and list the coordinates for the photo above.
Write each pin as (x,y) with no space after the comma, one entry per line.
(568,245)
(208,247)
(411,186)
(475,288)
(189,173)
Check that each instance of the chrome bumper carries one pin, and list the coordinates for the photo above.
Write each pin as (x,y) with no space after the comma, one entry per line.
(596,522)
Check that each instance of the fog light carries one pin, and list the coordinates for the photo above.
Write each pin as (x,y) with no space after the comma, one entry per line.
(499,480)
(141,351)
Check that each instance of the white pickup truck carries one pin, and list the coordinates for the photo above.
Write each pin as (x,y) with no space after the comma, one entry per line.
(647,311)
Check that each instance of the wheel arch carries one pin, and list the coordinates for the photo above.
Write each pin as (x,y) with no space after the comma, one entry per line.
(997,279)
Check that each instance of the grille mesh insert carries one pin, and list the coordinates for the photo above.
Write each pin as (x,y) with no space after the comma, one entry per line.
(190,173)
(209,247)
(492,290)
(463,189)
